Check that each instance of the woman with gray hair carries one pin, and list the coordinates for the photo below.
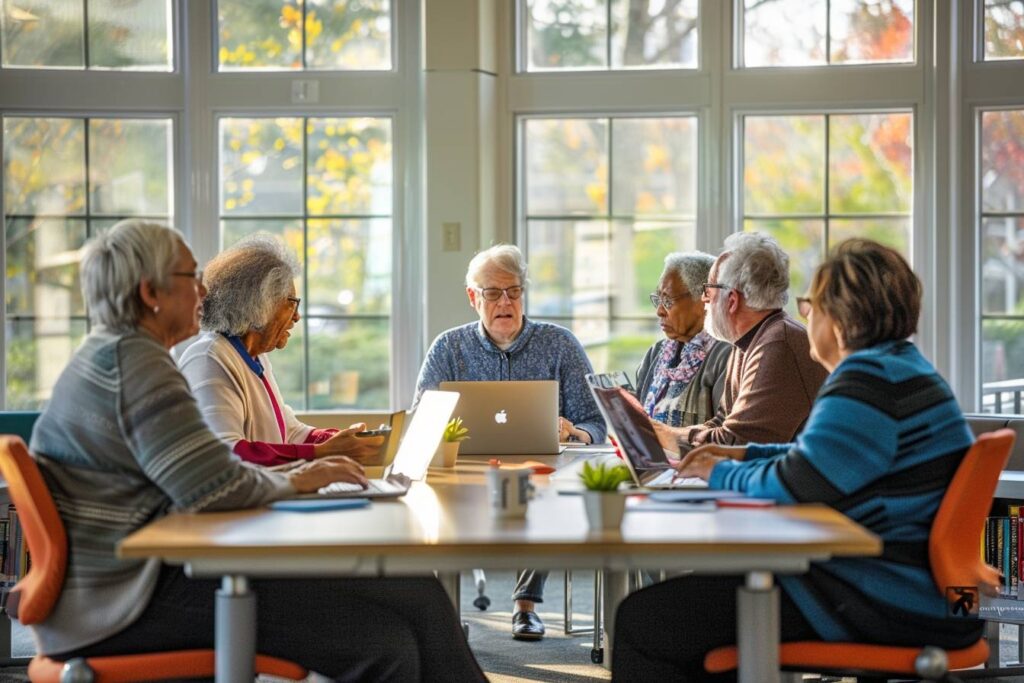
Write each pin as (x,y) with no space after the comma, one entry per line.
(249,311)
(681,379)
(122,442)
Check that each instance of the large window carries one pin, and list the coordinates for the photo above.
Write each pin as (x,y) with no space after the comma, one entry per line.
(1001,219)
(86,34)
(604,199)
(813,180)
(1003,26)
(65,179)
(608,34)
(819,32)
(324,186)
(350,35)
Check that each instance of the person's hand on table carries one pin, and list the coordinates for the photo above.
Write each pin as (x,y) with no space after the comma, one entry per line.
(701,460)
(345,442)
(668,437)
(566,429)
(316,474)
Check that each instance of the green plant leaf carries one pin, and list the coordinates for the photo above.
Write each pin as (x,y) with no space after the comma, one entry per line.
(454,431)
(603,477)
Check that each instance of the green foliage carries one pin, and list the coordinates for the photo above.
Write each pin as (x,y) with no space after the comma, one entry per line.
(455,432)
(602,477)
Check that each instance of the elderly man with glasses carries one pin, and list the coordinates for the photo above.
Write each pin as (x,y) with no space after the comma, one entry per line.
(504,345)
(771,379)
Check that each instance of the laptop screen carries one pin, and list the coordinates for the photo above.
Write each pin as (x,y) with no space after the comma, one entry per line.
(631,427)
(424,434)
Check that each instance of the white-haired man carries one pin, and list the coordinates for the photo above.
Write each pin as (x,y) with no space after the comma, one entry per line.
(771,380)
(504,345)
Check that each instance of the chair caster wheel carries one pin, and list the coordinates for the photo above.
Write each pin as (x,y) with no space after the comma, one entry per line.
(482,603)
(597,655)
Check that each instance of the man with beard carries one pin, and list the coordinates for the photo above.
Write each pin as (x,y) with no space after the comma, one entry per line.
(771,379)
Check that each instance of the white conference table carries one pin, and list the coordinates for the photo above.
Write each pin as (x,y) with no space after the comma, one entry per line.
(444,525)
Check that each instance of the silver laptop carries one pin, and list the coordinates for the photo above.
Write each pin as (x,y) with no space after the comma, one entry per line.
(644,456)
(508,418)
(415,451)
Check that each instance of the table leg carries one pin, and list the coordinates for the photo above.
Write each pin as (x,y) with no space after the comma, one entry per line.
(757,629)
(616,588)
(235,631)
(452,582)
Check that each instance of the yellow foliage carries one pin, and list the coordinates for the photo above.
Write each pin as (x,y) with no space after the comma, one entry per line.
(645,202)
(230,204)
(250,156)
(330,130)
(597,194)
(290,16)
(353,142)
(336,45)
(248,184)
(279,144)
(235,144)
(295,39)
(314,27)
(290,163)
(656,159)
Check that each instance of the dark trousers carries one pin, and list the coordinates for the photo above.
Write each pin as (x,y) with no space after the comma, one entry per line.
(379,629)
(663,632)
(530,585)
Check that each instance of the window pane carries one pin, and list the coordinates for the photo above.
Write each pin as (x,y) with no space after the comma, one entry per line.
(654,34)
(865,31)
(643,245)
(566,166)
(784,163)
(1004,29)
(625,346)
(566,34)
(349,267)
(349,166)
(892,232)
(37,351)
(870,163)
(569,268)
(1002,364)
(1002,160)
(289,369)
(348,34)
(43,33)
(784,32)
(130,34)
(349,362)
(261,166)
(44,166)
(259,34)
(654,170)
(42,267)
(804,242)
(130,166)
(1002,265)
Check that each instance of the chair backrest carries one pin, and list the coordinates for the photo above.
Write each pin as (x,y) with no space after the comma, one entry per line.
(955,539)
(35,595)
(18,423)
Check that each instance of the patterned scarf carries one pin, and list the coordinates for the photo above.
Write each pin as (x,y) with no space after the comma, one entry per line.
(669,381)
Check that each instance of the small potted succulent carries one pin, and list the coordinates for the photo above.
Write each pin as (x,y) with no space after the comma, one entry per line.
(605,505)
(448,450)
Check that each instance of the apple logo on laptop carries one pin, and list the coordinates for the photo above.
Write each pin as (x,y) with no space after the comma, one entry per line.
(500,417)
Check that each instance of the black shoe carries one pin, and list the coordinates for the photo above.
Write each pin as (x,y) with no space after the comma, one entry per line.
(527,626)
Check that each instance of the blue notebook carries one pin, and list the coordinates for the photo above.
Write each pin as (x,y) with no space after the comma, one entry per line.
(316,505)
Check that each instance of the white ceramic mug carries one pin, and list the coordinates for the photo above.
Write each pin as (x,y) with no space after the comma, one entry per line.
(509,491)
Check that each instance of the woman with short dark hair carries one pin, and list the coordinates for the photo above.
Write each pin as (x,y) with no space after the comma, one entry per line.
(883,440)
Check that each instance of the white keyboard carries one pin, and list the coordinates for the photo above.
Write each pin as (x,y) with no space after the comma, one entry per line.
(664,480)
(374,486)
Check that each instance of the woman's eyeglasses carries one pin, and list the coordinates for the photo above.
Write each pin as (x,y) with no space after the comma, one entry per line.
(803,306)
(494,293)
(658,300)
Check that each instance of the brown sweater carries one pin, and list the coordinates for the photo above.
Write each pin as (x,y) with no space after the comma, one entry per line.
(769,388)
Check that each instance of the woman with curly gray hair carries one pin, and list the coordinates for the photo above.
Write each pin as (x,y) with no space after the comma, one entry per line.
(249,311)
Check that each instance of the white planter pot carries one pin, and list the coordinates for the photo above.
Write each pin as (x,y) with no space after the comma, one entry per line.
(604,509)
(446,454)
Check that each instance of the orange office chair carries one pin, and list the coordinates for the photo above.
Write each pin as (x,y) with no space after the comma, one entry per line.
(955,561)
(32,599)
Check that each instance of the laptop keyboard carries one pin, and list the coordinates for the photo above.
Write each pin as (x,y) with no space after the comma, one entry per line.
(375,485)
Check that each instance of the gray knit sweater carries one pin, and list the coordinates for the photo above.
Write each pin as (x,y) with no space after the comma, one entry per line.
(541,351)
(120,444)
